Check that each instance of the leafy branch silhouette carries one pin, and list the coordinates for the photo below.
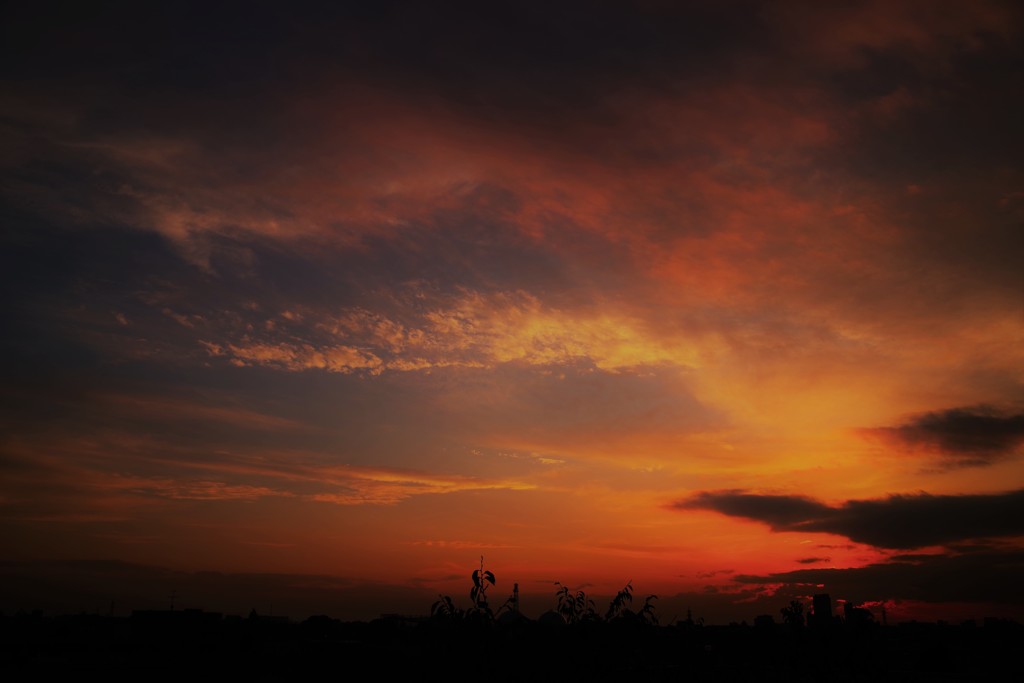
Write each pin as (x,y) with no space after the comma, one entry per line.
(619,602)
(445,608)
(647,614)
(575,607)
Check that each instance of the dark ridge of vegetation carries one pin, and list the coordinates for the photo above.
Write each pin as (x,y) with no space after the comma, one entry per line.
(572,642)
(191,642)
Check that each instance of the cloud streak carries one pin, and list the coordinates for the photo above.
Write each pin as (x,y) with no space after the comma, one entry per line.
(109,479)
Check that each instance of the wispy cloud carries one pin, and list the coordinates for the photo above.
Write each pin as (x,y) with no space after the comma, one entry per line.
(198,490)
(286,356)
(170,408)
(383,487)
(460,544)
(473,330)
(112,479)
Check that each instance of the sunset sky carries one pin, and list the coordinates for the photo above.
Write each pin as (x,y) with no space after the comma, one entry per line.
(307,309)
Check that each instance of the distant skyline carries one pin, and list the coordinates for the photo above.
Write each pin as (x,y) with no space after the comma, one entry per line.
(325,302)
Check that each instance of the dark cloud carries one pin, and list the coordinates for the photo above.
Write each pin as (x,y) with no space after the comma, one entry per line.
(778,511)
(521,56)
(899,521)
(911,557)
(710,574)
(814,560)
(990,577)
(968,436)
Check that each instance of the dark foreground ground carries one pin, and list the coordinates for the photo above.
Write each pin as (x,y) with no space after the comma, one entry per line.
(195,643)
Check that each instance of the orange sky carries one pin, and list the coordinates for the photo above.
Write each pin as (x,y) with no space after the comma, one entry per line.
(725,300)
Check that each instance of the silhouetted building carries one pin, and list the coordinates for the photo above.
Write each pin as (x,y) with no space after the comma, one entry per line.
(822,616)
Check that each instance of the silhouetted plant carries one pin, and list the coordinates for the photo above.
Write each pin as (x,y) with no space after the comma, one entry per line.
(444,608)
(618,603)
(647,615)
(575,607)
(793,614)
(512,603)
(478,593)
